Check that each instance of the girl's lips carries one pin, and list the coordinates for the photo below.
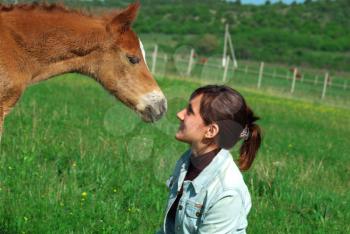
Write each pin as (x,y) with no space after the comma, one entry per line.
(181,127)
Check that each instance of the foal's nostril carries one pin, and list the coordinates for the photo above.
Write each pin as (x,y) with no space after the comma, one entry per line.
(162,105)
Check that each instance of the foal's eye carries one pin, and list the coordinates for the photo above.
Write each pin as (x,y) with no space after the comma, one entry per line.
(133,59)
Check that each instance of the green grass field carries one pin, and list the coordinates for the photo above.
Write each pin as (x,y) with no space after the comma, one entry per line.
(74,160)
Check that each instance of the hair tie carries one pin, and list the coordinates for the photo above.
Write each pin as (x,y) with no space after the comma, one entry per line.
(245,133)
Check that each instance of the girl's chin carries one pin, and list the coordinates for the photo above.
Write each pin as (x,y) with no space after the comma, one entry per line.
(179,136)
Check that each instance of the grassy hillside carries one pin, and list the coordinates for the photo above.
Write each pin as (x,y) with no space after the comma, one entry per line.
(73,160)
(314,34)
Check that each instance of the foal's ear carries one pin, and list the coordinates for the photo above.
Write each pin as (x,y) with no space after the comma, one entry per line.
(123,20)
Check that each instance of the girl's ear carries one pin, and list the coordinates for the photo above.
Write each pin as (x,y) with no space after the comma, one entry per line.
(123,20)
(212,131)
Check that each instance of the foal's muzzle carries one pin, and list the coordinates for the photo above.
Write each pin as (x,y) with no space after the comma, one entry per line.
(154,106)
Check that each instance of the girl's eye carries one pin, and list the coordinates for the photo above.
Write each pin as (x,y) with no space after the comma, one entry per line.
(189,110)
(133,59)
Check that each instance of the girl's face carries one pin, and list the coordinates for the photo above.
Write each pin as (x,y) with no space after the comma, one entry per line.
(192,128)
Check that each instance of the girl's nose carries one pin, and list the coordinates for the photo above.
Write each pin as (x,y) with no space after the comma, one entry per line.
(180,114)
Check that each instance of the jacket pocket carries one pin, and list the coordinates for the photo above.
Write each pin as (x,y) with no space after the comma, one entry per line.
(193,210)
(193,213)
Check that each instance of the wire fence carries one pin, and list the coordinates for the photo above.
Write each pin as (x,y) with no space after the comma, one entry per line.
(316,85)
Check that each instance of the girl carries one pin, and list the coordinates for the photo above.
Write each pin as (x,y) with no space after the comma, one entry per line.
(207,191)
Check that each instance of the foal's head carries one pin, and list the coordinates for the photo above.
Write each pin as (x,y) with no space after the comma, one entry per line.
(123,71)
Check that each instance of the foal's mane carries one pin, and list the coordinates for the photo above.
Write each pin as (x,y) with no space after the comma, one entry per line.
(53,7)
(34,6)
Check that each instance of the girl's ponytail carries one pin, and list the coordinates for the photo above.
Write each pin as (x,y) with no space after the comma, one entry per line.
(252,142)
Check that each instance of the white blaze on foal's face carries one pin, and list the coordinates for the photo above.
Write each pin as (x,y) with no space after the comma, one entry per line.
(143,52)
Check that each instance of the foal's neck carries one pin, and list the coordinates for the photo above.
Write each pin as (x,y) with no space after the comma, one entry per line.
(58,42)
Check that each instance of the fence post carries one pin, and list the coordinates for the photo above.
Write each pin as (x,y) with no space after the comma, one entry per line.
(224,57)
(165,59)
(324,86)
(190,62)
(261,70)
(226,68)
(165,63)
(154,58)
(293,82)
(316,80)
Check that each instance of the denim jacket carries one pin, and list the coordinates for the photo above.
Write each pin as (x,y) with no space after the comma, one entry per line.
(216,201)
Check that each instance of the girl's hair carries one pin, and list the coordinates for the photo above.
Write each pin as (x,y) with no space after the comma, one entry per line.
(227,108)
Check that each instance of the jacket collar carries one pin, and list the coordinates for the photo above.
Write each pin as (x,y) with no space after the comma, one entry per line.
(209,173)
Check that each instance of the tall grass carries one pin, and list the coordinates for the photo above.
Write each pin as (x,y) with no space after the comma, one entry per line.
(74,160)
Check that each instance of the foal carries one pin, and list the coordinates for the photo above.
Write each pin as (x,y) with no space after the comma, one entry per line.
(41,41)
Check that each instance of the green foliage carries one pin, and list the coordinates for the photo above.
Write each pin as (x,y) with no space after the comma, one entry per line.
(207,44)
